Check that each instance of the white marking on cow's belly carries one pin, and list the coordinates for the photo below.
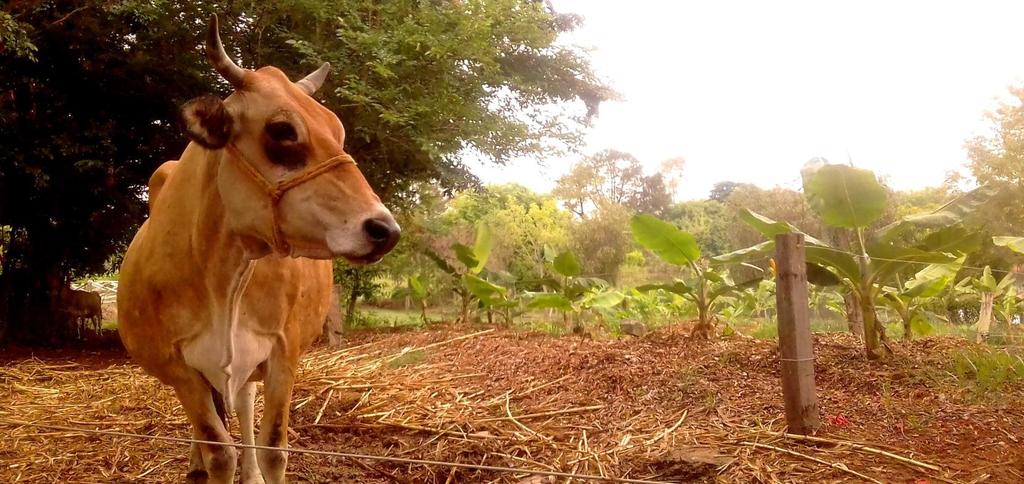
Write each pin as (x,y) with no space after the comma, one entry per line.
(224,352)
(208,353)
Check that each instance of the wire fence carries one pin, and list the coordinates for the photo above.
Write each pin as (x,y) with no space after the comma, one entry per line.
(916,262)
(325,453)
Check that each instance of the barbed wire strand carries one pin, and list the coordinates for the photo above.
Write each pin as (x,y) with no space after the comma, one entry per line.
(347,455)
(885,259)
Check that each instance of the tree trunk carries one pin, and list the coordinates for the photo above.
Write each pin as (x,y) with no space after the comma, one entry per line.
(874,333)
(335,325)
(704,329)
(854,316)
(985,317)
(5,294)
(353,296)
(883,338)
(464,318)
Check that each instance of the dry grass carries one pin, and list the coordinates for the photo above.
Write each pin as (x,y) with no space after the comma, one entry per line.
(661,408)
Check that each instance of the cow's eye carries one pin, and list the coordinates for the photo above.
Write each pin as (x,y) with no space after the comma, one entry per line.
(282,132)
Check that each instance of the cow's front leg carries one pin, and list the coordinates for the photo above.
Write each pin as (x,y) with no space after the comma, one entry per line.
(244,408)
(196,467)
(196,399)
(277,396)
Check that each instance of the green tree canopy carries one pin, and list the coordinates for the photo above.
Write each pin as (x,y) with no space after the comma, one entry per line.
(525,222)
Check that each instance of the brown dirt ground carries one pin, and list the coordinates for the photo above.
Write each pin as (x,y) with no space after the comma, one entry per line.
(662,407)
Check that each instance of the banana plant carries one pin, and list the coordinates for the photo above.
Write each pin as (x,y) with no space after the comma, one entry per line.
(417,291)
(572,294)
(1011,304)
(910,300)
(492,292)
(653,306)
(763,297)
(734,309)
(704,286)
(993,294)
(852,198)
(473,259)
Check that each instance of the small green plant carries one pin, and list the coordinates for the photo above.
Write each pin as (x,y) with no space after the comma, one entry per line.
(822,325)
(825,300)
(987,370)
(655,308)
(752,303)
(417,291)
(548,327)
(998,298)
(473,260)
(1006,304)
(910,300)
(766,330)
(705,286)
(573,295)
(492,295)
(369,319)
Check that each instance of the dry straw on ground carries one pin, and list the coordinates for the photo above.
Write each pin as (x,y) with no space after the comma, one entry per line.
(660,407)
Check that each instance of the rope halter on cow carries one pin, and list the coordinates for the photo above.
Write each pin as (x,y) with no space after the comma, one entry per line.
(276,191)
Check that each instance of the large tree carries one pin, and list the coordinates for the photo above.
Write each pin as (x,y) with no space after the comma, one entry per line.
(603,190)
(89,94)
(617,178)
(998,158)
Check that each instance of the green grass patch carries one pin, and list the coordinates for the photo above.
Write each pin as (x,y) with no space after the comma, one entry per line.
(411,358)
(548,327)
(987,370)
(369,317)
(829,326)
(766,331)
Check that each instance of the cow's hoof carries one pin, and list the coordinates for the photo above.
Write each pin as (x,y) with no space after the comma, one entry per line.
(197,476)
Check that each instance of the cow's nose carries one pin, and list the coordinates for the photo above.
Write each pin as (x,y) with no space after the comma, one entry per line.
(382,233)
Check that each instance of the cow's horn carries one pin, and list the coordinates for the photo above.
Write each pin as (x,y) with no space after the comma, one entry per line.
(316,79)
(219,59)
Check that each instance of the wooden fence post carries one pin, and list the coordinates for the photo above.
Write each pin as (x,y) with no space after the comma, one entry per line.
(796,352)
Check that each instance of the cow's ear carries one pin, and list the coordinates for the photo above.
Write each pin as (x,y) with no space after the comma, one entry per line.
(206,121)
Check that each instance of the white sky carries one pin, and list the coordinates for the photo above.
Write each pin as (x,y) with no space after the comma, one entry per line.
(749,90)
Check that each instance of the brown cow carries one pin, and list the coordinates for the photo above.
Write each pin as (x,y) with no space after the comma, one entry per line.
(85,307)
(157,180)
(229,281)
